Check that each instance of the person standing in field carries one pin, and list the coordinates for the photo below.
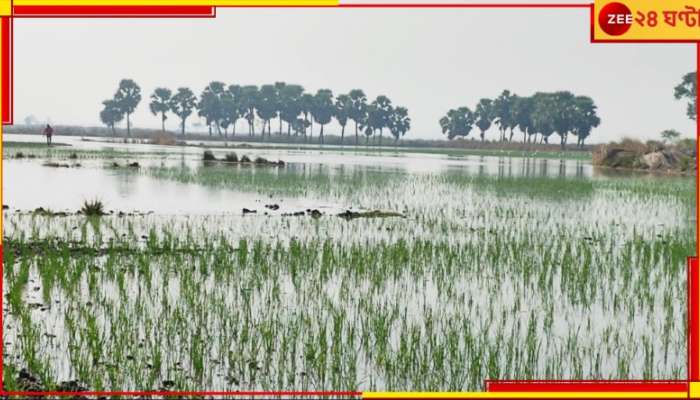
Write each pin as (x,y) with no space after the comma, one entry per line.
(48,131)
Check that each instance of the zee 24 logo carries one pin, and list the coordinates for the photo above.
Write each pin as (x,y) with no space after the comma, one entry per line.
(616,18)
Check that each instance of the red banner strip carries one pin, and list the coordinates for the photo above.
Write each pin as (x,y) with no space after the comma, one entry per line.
(202,393)
(114,11)
(586,386)
(7,89)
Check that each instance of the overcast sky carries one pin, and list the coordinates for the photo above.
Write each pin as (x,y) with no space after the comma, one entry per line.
(429,60)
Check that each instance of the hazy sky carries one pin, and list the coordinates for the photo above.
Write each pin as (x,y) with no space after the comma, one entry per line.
(429,60)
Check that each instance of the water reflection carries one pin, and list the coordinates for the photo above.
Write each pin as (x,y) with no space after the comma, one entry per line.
(29,185)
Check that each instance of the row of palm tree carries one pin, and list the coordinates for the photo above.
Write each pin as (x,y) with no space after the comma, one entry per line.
(221,106)
(560,112)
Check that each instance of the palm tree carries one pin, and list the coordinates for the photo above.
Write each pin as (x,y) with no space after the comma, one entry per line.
(384,109)
(210,107)
(585,118)
(399,123)
(160,104)
(323,109)
(343,106)
(182,104)
(457,122)
(232,106)
(111,114)
(543,115)
(279,88)
(484,116)
(306,102)
(290,105)
(503,112)
(563,115)
(266,106)
(248,102)
(127,98)
(358,109)
(522,116)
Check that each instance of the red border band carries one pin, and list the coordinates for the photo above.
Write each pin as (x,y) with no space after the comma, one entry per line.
(7,55)
(113,11)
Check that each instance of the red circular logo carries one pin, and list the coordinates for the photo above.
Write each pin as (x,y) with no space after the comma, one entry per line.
(615,19)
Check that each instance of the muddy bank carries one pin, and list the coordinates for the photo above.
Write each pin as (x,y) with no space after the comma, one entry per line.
(650,156)
(232,158)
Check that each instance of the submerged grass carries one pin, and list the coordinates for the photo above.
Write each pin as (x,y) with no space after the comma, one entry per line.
(495,277)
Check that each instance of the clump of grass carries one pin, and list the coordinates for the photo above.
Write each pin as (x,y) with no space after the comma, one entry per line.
(93,208)
(231,157)
(260,160)
(209,156)
(245,159)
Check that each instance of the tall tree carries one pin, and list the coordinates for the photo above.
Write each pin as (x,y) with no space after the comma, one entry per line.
(160,104)
(457,122)
(563,115)
(290,105)
(522,116)
(266,106)
(542,115)
(399,123)
(585,118)
(232,107)
(503,113)
(182,104)
(279,95)
(343,108)
(383,109)
(249,100)
(688,88)
(306,103)
(358,109)
(484,116)
(323,109)
(111,114)
(210,105)
(127,98)
(372,121)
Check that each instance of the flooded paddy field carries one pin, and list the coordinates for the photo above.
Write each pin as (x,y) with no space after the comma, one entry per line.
(470,268)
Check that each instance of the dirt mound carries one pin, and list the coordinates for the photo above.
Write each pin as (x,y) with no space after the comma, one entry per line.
(164,139)
(651,156)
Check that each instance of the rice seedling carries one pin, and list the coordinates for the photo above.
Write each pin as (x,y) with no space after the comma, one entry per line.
(93,208)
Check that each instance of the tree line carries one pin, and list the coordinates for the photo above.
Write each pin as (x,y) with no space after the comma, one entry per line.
(560,112)
(221,106)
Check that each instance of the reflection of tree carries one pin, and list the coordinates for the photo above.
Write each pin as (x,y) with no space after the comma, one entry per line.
(528,166)
(125,183)
(543,167)
(482,166)
(562,168)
